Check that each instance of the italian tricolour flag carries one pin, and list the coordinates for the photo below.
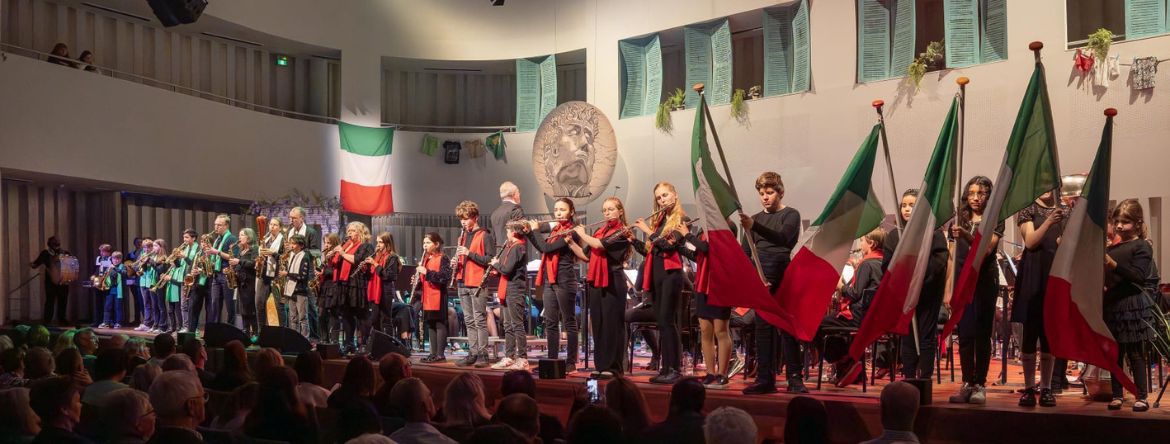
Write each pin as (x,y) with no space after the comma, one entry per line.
(811,278)
(365,169)
(894,304)
(1073,312)
(1029,169)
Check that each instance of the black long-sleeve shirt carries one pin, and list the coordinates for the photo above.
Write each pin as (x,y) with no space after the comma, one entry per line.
(1134,259)
(561,248)
(615,248)
(864,286)
(388,273)
(936,266)
(513,266)
(775,235)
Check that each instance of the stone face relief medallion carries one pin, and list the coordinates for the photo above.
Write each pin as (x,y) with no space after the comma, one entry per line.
(574,153)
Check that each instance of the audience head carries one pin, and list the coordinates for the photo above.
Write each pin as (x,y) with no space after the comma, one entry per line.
(627,402)
(393,367)
(163,347)
(195,349)
(687,396)
(118,341)
(64,341)
(309,367)
(18,418)
(595,425)
(12,360)
(127,413)
(277,402)
(137,347)
(56,401)
(899,406)
(464,401)
(359,376)
(266,359)
(235,360)
(414,399)
(371,438)
(243,400)
(518,381)
(497,434)
(179,361)
(729,425)
(178,399)
(110,364)
(6,343)
(38,363)
(69,361)
(806,421)
(86,341)
(357,419)
(144,376)
(61,49)
(39,336)
(520,412)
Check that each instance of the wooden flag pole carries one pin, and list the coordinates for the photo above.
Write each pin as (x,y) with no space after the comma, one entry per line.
(949,289)
(877,105)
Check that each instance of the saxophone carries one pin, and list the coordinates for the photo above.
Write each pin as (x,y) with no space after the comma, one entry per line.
(315,281)
(279,280)
(201,266)
(229,272)
(166,277)
(262,260)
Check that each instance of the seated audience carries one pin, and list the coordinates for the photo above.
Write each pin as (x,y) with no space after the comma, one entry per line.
(279,414)
(309,367)
(464,406)
(729,425)
(64,341)
(38,363)
(86,341)
(684,420)
(179,361)
(71,365)
(520,412)
(371,438)
(806,421)
(162,348)
(497,434)
(117,341)
(60,55)
(18,424)
(393,367)
(624,398)
(357,385)
(6,343)
(243,400)
(138,348)
(598,425)
(356,420)
(12,362)
(144,376)
(521,381)
(128,417)
(899,408)
(414,399)
(58,403)
(109,370)
(86,60)
(39,336)
(234,372)
(179,405)
(198,354)
(266,359)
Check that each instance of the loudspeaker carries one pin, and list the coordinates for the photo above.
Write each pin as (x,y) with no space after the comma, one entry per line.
(218,334)
(382,343)
(285,339)
(551,369)
(329,351)
(925,389)
(184,337)
(177,12)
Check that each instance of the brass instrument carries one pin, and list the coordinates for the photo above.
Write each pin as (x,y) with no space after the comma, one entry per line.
(201,266)
(315,281)
(166,277)
(229,272)
(282,265)
(261,259)
(99,282)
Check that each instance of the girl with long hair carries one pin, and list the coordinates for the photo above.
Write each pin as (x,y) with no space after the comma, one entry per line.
(662,276)
(245,265)
(353,281)
(464,406)
(558,275)
(434,273)
(328,295)
(975,326)
(607,249)
(383,291)
(1130,275)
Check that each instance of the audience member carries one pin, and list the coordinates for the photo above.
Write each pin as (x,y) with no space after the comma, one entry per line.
(38,336)
(729,425)
(243,400)
(626,401)
(519,411)
(179,404)
(266,359)
(6,343)
(393,367)
(464,406)
(598,425)
(521,381)
(38,363)
(71,365)
(198,353)
(179,361)
(414,398)
(356,420)
(899,408)
(162,348)
(19,335)
(684,420)
(138,348)
(117,341)
(109,371)
(279,415)
(128,417)
(64,341)
(357,385)
(86,60)
(497,434)
(310,367)
(58,403)
(86,342)
(371,438)
(60,55)
(144,376)
(234,372)
(806,421)
(18,424)
(12,361)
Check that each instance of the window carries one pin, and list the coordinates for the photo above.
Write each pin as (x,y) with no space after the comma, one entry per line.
(787,61)
(708,61)
(641,75)
(1127,19)
(890,33)
(536,90)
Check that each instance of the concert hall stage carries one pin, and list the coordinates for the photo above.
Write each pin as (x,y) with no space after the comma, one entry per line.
(855,416)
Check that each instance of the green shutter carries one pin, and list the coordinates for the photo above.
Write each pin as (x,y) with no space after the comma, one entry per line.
(902,48)
(697,40)
(641,75)
(548,87)
(708,60)
(801,49)
(652,95)
(719,90)
(1144,18)
(962,32)
(994,36)
(778,49)
(873,41)
(527,94)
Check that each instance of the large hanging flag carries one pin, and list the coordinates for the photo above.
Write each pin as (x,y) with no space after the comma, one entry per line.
(1029,169)
(1073,313)
(852,212)
(893,306)
(726,275)
(365,169)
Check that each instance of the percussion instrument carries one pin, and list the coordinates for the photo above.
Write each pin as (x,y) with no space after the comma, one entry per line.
(64,269)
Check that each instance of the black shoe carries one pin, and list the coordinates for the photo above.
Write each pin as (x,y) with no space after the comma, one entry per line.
(468,361)
(669,377)
(1046,398)
(482,362)
(722,381)
(795,385)
(760,388)
(1028,399)
(710,378)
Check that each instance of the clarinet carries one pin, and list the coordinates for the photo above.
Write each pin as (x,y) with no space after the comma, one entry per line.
(455,259)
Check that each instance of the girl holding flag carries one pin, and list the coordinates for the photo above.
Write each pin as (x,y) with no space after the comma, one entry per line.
(1128,312)
(1041,225)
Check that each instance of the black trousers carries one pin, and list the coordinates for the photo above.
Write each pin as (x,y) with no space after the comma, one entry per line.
(56,296)
(1136,354)
(351,319)
(921,364)
(97,310)
(437,329)
(975,332)
(560,303)
(771,340)
(219,296)
(607,314)
(667,288)
(645,313)
(247,298)
(200,298)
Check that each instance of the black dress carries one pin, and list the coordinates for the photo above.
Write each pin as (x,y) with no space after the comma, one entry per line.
(1032,278)
(1129,311)
(354,291)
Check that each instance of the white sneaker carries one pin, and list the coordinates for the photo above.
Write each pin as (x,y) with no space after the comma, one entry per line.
(964,394)
(142,327)
(978,395)
(519,364)
(184,330)
(503,364)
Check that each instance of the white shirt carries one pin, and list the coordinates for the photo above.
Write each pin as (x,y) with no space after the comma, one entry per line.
(294,263)
(313,395)
(274,245)
(293,231)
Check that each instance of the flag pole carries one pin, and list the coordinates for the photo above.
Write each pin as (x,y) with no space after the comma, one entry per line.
(951,262)
(698,87)
(877,105)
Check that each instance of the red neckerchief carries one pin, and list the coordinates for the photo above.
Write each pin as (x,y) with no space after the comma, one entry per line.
(341,266)
(671,262)
(374,288)
(502,289)
(550,261)
(599,258)
(843,309)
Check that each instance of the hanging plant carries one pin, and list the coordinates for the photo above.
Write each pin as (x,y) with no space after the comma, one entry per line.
(673,102)
(738,107)
(1099,42)
(925,60)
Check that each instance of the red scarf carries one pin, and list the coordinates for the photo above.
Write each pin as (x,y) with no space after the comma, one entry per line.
(669,262)
(843,309)
(341,266)
(599,258)
(550,261)
(374,288)
(502,289)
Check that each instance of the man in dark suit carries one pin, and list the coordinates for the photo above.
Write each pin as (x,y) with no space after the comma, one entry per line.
(509,210)
(297,225)
(223,246)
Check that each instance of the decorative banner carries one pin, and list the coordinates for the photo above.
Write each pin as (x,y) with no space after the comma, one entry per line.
(641,75)
(708,58)
(496,144)
(574,152)
(536,90)
(365,169)
(430,144)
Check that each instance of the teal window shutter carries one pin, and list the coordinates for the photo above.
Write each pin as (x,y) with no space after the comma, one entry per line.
(548,86)
(1144,18)
(962,32)
(641,75)
(778,49)
(708,61)
(994,36)
(536,90)
(697,40)
(902,45)
(873,40)
(801,49)
(719,89)
(652,54)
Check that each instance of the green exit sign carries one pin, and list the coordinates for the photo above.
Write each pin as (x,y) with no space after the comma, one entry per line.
(281,60)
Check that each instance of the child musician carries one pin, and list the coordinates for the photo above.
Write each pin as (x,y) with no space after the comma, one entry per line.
(1130,275)
(775,231)
(559,276)
(512,266)
(245,267)
(144,278)
(383,289)
(856,296)
(607,249)
(473,248)
(115,279)
(296,288)
(662,276)
(920,363)
(100,264)
(178,270)
(434,273)
(270,250)
(165,319)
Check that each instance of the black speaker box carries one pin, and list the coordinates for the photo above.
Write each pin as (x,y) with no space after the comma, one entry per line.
(285,339)
(218,334)
(551,369)
(329,351)
(177,12)
(382,343)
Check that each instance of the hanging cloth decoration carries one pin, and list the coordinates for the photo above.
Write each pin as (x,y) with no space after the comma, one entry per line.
(451,150)
(1083,61)
(1142,74)
(1105,70)
(475,148)
(429,145)
(496,144)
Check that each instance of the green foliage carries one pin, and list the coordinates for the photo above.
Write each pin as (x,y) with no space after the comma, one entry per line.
(1099,42)
(917,69)
(662,119)
(738,107)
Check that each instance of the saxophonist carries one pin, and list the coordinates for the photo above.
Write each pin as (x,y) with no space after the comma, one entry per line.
(199,274)
(267,258)
(297,225)
(180,264)
(219,251)
(245,267)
